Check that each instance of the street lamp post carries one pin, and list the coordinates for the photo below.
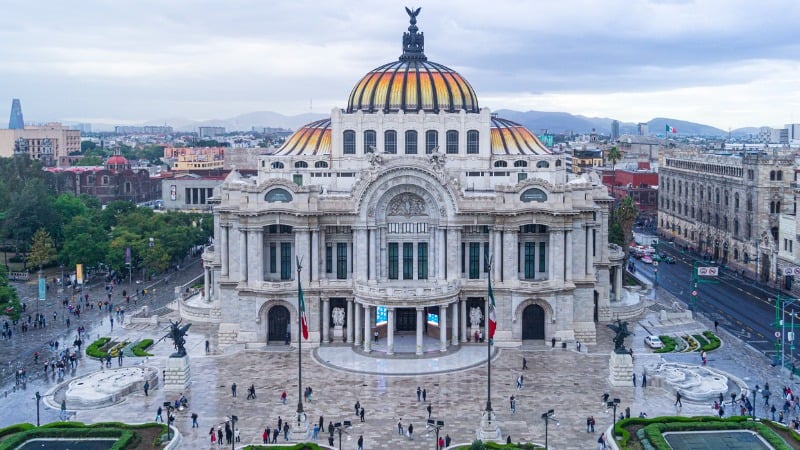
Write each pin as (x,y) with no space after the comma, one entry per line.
(613,404)
(755,391)
(341,427)
(548,416)
(234,419)
(169,407)
(38,398)
(436,425)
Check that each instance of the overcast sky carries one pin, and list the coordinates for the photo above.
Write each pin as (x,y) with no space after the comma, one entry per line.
(727,63)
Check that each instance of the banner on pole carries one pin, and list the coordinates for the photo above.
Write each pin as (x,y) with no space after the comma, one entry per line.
(79,273)
(128,255)
(42,289)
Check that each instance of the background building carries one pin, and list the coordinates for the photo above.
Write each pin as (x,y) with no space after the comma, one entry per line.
(16,122)
(209,132)
(116,180)
(52,143)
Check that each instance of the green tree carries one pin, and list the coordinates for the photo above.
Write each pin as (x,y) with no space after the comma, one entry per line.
(8,295)
(30,209)
(625,216)
(85,242)
(87,145)
(91,160)
(42,250)
(613,155)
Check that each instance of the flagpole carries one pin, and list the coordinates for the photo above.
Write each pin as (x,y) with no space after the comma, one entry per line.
(299,345)
(489,346)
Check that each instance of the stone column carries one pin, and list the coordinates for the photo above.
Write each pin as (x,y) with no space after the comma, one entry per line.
(349,319)
(302,250)
(432,259)
(326,321)
(454,332)
(510,250)
(390,331)
(453,252)
(382,258)
(463,306)
(618,282)
(568,255)
(497,268)
(420,318)
(414,259)
(255,256)
(372,267)
(357,316)
(443,328)
(315,262)
(553,256)
(589,251)
(242,254)
(207,284)
(441,253)
(224,230)
(367,329)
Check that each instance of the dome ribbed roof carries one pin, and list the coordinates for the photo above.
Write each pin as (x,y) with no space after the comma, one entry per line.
(311,139)
(511,138)
(411,86)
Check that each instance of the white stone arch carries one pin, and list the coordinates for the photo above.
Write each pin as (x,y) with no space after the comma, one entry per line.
(549,315)
(439,200)
(263,317)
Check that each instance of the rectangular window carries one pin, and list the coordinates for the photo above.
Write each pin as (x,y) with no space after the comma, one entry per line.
(431,140)
(370,138)
(530,260)
(542,256)
(297,179)
(286,260)
(188,197)
(452,142)
(411,142)
(472,141)
(463,257)
(273,258)
(329,258)
(341,260)
(393,260)
(422,261)
(390,141)
(349,142)
(408,261)
(474,260)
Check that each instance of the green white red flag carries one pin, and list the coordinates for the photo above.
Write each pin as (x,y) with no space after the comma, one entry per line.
(302,305)
(492,315)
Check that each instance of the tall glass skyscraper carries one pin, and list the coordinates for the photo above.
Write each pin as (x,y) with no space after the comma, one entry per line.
(16,122)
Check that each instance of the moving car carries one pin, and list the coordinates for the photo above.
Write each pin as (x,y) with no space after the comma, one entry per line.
(647,259)
(653,342)
(668,259)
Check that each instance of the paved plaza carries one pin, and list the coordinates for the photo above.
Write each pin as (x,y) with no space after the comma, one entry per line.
(562,379)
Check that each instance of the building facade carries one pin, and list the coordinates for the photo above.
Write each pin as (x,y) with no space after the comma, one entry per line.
(727,206)
(116,180)
(51,143)
(398,209)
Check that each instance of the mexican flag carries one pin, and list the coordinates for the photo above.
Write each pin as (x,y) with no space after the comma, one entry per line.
(670,129)
(302,305)
(492,315)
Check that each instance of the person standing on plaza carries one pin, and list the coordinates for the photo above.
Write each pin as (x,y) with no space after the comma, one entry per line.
(358,406)
(678,399)
(208,347)
(213,434)
(400,427)
(194,421)
(634,379)
(361,440)
(146,388)
(411,431)
(424,395)
(441,442)
(158,415)
(644,379)
(524,363)
(361,414)
(429,408)
(219,436)
(447,440)
(233,389)
(286,431)
(265,436)
(419,393)
(283,397)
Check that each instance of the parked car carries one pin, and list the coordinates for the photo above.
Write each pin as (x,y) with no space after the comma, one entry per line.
(647,259)
(669,260)
(653,342)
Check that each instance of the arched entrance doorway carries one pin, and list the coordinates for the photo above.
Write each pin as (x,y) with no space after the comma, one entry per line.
(533,322)
(277,324)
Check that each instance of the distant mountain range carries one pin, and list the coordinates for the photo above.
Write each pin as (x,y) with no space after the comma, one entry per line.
(536,121)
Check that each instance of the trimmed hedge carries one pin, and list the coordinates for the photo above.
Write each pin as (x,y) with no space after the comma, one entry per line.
(713,341)
(95,350)
(141,346)
(123,433)
(669,344)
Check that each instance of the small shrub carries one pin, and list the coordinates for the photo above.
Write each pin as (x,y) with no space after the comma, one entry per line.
(700,340)
(95,349)
(669,344)
(141,346)
(693,345)
(713,341)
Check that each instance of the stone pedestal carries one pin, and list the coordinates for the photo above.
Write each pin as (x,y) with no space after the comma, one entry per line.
(338,333)
(176,375)
(299,430)
(621,370)
(490,428)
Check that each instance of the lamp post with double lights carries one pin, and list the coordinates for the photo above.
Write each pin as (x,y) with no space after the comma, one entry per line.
(547,417)
(38,398)
(613,404)
(233,419)
(755,391)
(437,426)
(342,427)
(170,408)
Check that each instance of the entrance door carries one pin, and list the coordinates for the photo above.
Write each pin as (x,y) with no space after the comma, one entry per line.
(406,320)
(277,323)
(533,322)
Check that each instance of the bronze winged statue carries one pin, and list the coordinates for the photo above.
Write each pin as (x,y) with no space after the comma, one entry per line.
(177,333)
(621,330)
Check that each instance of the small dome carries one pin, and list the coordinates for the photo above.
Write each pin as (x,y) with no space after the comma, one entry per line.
(311,139)
(511,138)
(117,160)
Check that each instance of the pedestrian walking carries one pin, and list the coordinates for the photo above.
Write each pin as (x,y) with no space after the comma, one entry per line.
(146,388)
(524,363)
(158,415)
(400,427)
(678,399)
(283,397)
(419,394)
(213,435)
(716,325)
(194,421)
(411,431)
(233,390)
(644,380)
(265,436)
(592,423)
(513,404)
(362,414)
(219,436)
(208,346)
(424,395)
(447,440)
(634,380)
(361,437)
(251,393)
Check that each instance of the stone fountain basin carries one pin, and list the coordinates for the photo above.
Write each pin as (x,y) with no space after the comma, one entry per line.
(695,383)
(108,387)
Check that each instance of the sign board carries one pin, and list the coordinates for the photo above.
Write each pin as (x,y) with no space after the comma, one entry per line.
(694,293)
(777,334)
(708,271)
(791,271)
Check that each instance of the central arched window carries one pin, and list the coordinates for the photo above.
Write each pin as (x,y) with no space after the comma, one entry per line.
(320,165)
(500,164)
(452,141)
(472,141)
(411,142)
(301,165)
(277,165)
(349,142)
(431,140)
(370,141)
(390,141)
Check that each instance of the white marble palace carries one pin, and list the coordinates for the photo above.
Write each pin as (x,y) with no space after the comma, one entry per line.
(395,206)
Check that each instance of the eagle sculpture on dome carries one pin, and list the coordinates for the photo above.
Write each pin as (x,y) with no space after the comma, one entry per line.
(413,14)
